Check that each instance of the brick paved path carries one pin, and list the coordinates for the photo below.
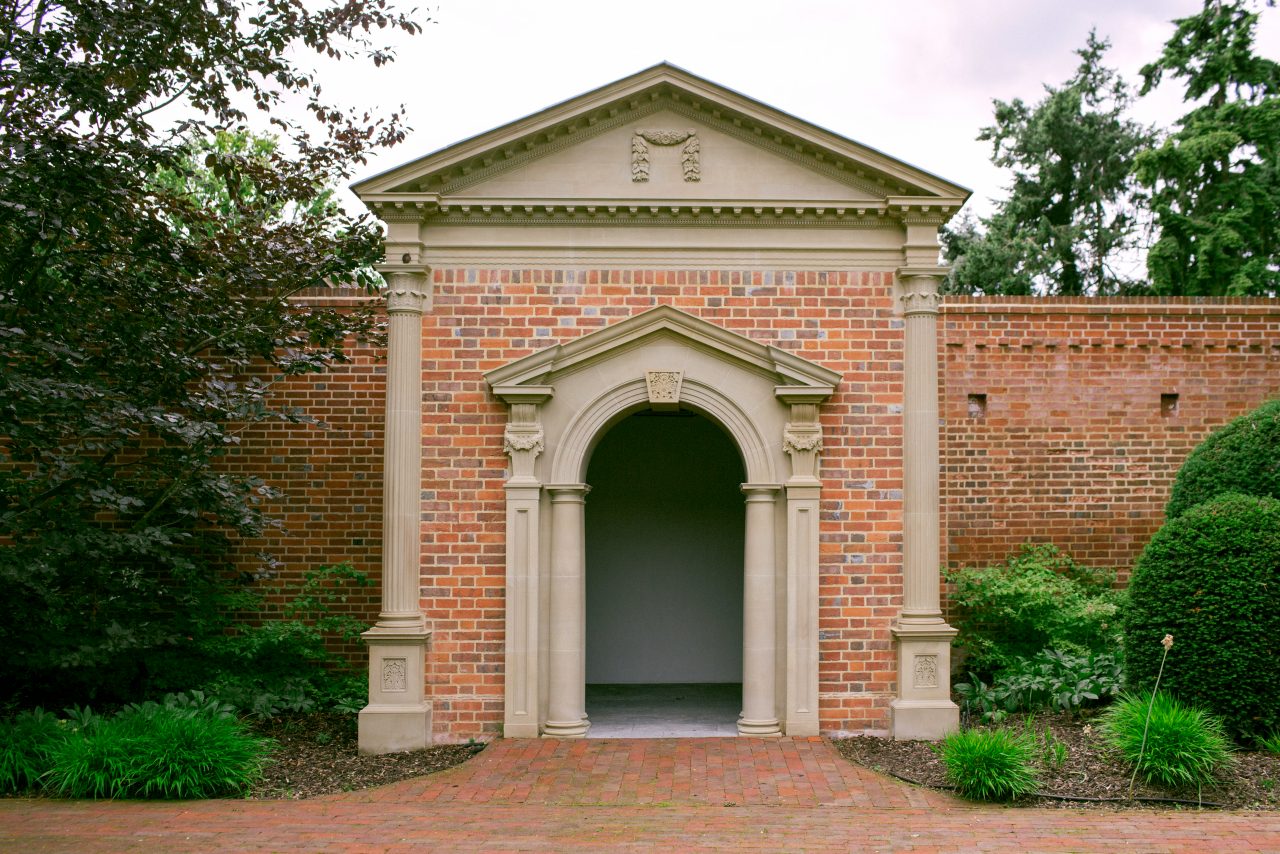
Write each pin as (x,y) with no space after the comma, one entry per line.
(787,795)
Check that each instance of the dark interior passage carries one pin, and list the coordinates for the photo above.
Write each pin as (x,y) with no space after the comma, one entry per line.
(664,538)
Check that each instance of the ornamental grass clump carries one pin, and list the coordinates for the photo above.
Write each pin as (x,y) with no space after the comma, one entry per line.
(991,765)
(154,751)
(27,743)
(1167,742)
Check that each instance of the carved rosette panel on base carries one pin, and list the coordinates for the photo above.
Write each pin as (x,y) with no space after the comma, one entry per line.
(690,154)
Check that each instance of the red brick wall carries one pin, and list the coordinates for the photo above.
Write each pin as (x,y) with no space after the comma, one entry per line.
(485,318)
(1074,447)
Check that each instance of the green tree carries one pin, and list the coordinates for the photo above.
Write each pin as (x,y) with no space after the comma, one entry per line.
(1215,181)
(145,306)
(1070,218)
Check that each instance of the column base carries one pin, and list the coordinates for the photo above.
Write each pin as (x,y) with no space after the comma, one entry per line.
(924,720)
(398,717)
(759,729)
(566,729)
(923,710)
(394,729)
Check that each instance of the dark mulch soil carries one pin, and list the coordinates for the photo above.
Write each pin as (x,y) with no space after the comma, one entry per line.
(317,755)
(1089,774)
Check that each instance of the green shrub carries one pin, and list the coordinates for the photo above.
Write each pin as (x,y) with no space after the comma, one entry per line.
(1179,747)
(1049,680)
(279,659)
(1242,457)
(1037,599)
(1270,742)
(1211,578)
(27,743)
(157,751)
(991,765)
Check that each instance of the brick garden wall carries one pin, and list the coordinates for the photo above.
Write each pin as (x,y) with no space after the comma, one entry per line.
(1081,434)
(1073,447)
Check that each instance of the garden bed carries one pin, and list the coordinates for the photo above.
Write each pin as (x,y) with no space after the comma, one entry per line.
(317,754)
(1088,774)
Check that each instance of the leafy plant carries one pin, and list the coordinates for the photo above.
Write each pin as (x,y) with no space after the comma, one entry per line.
(1049,680)
(1037,599)
(27,743)
(1239,457)
(1167,742)
(116,504)
(990,765)
(1211,578)
(1270,742)
(157,751)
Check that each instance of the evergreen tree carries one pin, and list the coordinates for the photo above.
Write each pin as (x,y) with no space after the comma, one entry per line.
(1070,217)
(1215,181)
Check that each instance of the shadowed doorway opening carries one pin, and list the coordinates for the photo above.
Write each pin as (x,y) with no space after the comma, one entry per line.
(664,579)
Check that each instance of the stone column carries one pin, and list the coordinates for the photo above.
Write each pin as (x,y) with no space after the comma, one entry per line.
(759,623)
(923,709)
(566,701)
(398,716)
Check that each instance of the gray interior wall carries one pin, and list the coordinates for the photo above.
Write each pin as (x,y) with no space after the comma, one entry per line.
(664,537)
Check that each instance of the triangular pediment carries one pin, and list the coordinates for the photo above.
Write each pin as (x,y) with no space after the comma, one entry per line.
(542,369)
(662,135)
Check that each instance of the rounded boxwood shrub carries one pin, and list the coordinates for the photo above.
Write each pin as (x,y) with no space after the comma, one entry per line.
(1211,578)
(1243,457)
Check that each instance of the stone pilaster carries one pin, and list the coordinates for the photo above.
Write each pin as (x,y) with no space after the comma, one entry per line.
(398,716)
(759,615)
(923,708)
(802,442)
(523,440)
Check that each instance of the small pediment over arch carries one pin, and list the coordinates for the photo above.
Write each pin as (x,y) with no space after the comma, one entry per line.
(662,135)
(540,370)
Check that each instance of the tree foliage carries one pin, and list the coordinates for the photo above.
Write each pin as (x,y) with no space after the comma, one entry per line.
(1070,216)
(149,263)
(1215,181)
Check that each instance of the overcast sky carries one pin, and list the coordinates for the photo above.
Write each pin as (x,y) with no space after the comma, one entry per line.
(913,78)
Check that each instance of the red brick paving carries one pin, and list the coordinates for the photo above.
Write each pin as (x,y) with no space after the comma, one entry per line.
(617,795)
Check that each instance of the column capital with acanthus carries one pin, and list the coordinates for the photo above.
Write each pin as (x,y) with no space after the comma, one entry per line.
(407,291)
(919,289)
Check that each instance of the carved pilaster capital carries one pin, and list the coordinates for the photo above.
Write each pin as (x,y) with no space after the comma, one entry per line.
(802,441)
(517,441)
(407,291)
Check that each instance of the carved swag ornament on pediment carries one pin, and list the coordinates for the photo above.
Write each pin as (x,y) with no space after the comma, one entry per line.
(690,155)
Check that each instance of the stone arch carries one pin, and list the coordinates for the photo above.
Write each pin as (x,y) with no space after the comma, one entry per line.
(767,402)
(573,452)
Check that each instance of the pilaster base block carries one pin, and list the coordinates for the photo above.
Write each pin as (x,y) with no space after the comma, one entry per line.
(923,709)
(801,726)
(521,729)
(394,729)
(566,729)
(924,720)
(759,729)
(398,717)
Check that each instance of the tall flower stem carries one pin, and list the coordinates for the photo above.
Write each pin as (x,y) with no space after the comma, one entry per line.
(1167,643)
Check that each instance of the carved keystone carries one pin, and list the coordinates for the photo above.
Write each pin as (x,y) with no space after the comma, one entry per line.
(664,389)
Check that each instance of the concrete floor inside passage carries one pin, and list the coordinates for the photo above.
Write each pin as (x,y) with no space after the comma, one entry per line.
(664,711)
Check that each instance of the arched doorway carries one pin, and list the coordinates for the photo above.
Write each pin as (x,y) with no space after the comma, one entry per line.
(563,402)
(664,578)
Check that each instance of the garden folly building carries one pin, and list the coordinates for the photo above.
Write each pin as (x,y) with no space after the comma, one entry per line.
(663,246)
(661,403)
